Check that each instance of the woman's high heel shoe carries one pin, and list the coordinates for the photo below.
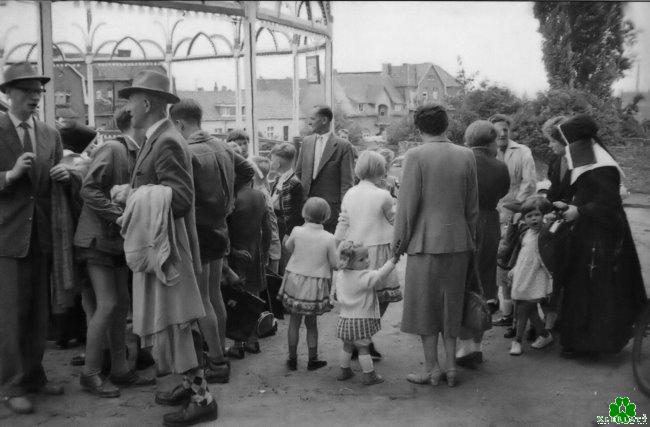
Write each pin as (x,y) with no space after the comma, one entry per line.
(452,377)
(436,374)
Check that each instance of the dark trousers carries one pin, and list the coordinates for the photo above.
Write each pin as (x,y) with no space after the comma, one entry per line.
(525,311)
(23,321)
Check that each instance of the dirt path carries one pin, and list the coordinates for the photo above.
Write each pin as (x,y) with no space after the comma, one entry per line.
(538,388)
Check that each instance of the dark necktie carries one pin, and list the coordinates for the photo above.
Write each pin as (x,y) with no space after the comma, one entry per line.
(27,140)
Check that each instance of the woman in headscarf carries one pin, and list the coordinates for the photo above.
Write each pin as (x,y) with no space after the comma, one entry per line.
(603,286)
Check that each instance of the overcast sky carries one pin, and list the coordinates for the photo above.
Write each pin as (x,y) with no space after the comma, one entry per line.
(499,40)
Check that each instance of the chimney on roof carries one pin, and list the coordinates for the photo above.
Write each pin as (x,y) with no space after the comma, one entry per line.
(215,88)
(386,69)
(411,79)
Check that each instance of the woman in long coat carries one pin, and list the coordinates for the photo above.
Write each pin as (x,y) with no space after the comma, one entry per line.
(603,286)
(493,184)
(436,227)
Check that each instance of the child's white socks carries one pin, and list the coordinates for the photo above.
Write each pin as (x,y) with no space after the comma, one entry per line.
(346,359)
(365,360)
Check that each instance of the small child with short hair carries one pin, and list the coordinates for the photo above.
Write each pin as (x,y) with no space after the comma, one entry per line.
(305,290)
(359,317)
(532,280)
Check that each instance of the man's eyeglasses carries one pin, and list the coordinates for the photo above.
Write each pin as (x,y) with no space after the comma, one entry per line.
(31,91)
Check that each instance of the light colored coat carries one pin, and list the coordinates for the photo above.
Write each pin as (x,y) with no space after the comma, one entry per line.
(354,290)
(313,251)
(157,249)
(365,214)
(437,209)
(521,167)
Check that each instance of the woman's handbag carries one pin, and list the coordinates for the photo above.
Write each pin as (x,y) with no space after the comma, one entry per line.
(476,314)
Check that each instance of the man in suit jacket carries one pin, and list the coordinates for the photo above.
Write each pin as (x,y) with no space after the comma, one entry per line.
(215,167)
(325,164)
(30,152)
(165,159)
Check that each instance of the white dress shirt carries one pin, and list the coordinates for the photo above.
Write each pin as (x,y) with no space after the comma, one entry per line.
(21,132)
(319,147)
(154,127)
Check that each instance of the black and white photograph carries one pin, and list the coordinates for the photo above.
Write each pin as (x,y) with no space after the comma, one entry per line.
(324,213)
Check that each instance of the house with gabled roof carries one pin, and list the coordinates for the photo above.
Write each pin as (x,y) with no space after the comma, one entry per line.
(422,83)
(369,99)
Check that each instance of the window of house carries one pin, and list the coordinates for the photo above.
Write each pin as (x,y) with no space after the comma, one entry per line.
(360,107)
(425,95)
(218,130)
(383,110)
(398,107)
(270,132)
(435,94)
(61,98)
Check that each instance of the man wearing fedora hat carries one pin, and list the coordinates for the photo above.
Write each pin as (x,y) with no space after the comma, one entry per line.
(30,152)
(165,159)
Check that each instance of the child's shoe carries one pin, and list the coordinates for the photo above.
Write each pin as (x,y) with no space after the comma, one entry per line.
(345,374)
(542,342)
(292,363)
(515,349)
(371,378)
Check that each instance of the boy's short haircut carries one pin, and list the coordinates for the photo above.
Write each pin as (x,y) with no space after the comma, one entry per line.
(187,109)
(285,150)
(237,135)
(496,118)
(536,202)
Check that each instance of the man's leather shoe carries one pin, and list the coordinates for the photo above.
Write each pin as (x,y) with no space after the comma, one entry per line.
(19,405)
(471,360)
(47,389)
(178,396)
(511,332)
(98,386)
(217,372)
(504,321)
(235,352)
(252,347)
(191,414)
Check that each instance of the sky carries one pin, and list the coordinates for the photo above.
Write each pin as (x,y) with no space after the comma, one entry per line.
(499,40)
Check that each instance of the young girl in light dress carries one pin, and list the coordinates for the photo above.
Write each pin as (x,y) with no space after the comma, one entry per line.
(306,286)
(532,280)
(366,218)
(359,318)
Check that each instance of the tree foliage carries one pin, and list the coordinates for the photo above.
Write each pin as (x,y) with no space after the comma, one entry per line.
(584,44)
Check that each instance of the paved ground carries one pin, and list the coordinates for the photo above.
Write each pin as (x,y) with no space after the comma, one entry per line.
(537,388)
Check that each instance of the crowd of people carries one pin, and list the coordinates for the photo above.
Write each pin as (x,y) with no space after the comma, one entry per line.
(168,217)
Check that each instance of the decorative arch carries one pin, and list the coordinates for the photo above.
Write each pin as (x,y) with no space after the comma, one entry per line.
(259,31)
(122,40)
(154,44)
(70,45)
(196,37)
(20,46)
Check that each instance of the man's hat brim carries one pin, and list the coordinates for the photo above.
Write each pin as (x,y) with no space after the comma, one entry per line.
(12,82)
(167,96)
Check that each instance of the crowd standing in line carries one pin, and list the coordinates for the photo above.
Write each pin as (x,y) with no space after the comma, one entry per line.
(188,214)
